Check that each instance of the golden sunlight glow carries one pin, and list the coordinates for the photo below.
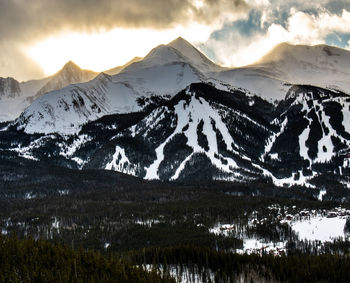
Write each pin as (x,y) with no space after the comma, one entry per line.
(104,50)
(198,4)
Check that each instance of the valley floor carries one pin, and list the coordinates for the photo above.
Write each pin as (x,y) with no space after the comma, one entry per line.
(200,233)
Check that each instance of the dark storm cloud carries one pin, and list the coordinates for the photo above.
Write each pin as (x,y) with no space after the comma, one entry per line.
(26,21)
(23,22)
(30,19)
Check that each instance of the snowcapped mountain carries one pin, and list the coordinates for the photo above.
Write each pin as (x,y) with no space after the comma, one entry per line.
(175,115)
(67,109)
(176,51)
(206,133)
(320,65)
(69,74)
(9,88)
(162,73)
(286,64)
(16,96)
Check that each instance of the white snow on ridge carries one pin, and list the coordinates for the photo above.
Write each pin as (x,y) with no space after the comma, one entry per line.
(12,106)
(65,111)
(256,80)
(325,144)
(302,143)
(271,140)
(346,116)
(168,69)
(177,51)
(189,116)
(67,150)
(320,65)
(121,163)
(26,151)
(271,77)
(167,79)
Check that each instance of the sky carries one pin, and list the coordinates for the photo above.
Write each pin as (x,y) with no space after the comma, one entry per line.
(38,37)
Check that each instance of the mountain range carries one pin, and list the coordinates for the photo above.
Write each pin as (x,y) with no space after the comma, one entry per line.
(176,115)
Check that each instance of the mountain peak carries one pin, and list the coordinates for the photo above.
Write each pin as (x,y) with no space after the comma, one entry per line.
(179,40)
(177,51)
(70,65)
(71,73)
(191,52)
(306,53)
(182,45)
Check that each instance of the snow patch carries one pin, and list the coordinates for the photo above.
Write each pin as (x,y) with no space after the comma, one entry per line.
(121,163)
(189,115)
(320,228)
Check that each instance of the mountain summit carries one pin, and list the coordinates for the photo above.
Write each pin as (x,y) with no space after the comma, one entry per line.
(171,117)
(160,75)
(70,68)
(320,65)
(177,51)
(69,74)
(194,55)
(168,69)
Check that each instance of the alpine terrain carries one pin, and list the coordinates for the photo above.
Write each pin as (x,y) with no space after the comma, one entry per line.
(16,96)
(174,115)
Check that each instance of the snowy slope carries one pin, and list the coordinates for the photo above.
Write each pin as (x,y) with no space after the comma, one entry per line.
(10,96)
(118,69)
(66,110)
(311,132)
(189,115)
(177,51)
(201,133)
(319,65)
(195,135)
(256,81)
(194,56)
(9,88)
(69,74)
(163,72)
(15,96)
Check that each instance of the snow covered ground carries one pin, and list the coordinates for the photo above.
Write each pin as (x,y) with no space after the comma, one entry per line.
(320,228)
(323,226)
(259,246)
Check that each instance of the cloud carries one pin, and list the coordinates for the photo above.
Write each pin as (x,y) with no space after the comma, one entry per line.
(232,32)
(20,18)
(15,63)
(314,24)
(24,22)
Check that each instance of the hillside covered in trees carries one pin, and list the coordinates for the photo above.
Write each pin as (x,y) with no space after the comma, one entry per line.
(63,225)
